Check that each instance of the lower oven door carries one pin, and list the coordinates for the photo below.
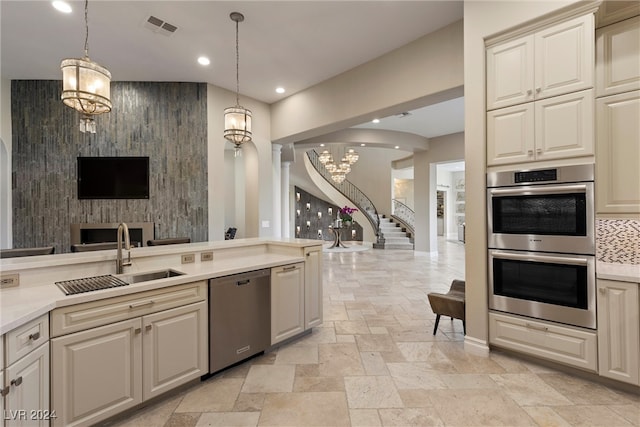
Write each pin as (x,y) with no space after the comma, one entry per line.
(549,286)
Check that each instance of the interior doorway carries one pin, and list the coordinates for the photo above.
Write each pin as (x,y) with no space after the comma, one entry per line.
(450,191)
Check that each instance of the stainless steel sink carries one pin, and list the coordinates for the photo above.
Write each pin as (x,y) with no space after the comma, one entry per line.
(150,275)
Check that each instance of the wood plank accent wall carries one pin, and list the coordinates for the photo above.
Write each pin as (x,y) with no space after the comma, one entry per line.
(165,121)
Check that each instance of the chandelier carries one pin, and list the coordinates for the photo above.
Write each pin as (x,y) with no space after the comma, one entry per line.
(86,85)
(237,119)
(338,171)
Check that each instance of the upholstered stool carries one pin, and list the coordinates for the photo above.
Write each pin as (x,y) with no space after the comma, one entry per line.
(450,304)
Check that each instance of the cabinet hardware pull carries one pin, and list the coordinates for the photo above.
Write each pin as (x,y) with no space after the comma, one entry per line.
(539,150)
(137,330)
(34,336)
(529,152)
(603,291)
(538,90)
(17,381)
(4,391)
(291,267)
(537,328)
(529,92)
(148,327)
(141,304)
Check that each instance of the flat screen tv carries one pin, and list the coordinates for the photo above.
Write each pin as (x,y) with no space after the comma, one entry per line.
(113,177)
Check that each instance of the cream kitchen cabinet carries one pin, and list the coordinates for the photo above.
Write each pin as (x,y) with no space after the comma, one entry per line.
(100,371)
(313,287)
(552,61)
(563,344)
(617,154)
(27,402)
(287,302)
(618,58)
(26,391)
(619,330)
(549,129)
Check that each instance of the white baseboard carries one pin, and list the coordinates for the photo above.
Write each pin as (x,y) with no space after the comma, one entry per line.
(476,346)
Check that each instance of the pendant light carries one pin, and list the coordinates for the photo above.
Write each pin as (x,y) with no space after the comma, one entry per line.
(352,156)
(86,85)
(237,119)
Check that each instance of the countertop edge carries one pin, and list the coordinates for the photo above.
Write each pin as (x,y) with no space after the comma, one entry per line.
(619,272)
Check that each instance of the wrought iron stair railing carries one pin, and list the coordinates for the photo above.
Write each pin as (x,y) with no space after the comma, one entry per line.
(351,192)
(404,214)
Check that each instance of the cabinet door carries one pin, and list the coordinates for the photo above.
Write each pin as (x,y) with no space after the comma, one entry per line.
(27,403)
(564,126)
(564,57)
(617,154)
(96,373)
(313,287)
(287,302)
(619,330)
(618,58)
(174,348)
(510,135)
(510,73)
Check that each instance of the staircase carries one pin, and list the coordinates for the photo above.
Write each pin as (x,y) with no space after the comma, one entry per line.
(394,236)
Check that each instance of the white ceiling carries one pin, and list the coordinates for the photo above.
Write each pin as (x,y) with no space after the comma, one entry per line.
(294,44)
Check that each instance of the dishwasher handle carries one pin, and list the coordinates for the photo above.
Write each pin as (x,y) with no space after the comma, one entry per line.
(243,282)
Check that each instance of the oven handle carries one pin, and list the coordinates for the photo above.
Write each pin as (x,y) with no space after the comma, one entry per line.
(546,189)
(541,258)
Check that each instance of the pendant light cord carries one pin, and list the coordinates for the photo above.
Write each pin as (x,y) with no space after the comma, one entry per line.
(237,67)
(86,28)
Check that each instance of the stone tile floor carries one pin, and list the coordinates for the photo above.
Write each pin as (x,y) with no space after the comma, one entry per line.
(375,362)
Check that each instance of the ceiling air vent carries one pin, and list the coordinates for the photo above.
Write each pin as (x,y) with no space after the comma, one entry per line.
(157,25)
(403,114)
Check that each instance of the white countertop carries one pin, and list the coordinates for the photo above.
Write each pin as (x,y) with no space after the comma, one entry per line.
(23,303)
(620,272)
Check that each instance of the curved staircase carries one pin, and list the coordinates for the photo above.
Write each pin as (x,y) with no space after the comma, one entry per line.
(395,236)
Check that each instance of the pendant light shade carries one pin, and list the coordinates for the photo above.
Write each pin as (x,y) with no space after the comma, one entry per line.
(237,124)
(86,85)
(237,119)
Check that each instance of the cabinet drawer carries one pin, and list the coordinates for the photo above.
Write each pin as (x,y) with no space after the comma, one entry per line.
(561,344)
(26,338)
(78,317)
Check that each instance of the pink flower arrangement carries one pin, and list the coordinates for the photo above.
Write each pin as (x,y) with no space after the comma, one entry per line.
(346,212)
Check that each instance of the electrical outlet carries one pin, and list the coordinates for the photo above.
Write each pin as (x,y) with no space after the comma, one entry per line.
(9,280)
(188,258)
(206,256)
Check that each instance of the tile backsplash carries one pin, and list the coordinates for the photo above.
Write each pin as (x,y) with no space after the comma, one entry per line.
(618,241)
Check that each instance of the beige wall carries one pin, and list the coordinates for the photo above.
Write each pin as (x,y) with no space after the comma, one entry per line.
(254,193)
(425,71)
(483,19)
(6,215)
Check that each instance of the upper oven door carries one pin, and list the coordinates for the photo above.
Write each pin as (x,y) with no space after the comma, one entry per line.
(547,218)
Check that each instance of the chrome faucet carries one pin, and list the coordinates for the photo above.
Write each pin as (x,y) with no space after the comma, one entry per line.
(120,264)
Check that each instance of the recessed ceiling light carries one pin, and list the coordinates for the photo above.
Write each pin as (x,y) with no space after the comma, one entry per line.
(203,60)
(321,145)
(396,147)
(280,90)
(62,6)
(362,145)
(375,121)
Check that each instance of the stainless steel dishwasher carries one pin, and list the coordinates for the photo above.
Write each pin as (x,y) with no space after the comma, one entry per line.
(239,317)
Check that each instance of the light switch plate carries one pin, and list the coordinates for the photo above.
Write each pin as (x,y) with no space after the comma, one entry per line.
(188,258)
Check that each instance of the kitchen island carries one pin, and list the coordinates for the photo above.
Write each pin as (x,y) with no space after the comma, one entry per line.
(67,335)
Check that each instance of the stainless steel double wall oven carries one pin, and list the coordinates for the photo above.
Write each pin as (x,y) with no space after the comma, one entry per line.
(541,240)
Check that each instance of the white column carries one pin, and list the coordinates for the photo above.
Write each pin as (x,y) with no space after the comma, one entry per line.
(284,193)
(276,150)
